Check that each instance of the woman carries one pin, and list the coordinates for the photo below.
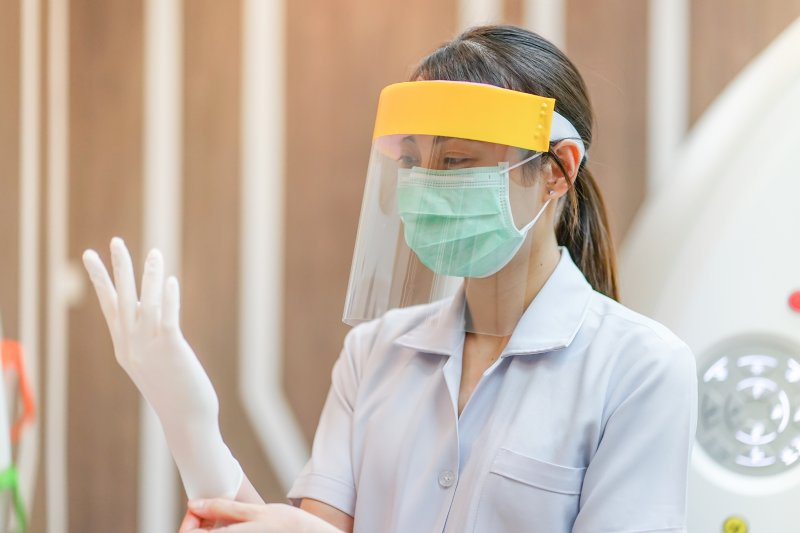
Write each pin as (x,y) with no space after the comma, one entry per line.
(495,383)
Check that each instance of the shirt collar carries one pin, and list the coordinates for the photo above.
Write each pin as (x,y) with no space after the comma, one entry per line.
(549,323)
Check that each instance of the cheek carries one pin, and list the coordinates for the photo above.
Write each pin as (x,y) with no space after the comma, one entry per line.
(525,201)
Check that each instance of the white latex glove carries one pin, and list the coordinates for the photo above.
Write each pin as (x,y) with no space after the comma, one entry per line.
(149,345)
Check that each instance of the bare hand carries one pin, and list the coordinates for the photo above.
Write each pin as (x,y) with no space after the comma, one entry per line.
(250,518)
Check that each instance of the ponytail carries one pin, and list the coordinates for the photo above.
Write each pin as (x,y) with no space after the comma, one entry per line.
(583,228)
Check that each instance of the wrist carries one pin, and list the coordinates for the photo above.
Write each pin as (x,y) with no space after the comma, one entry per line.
(206,464)
(307,522)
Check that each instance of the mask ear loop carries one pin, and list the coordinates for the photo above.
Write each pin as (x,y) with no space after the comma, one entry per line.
(530,224)
(527,160)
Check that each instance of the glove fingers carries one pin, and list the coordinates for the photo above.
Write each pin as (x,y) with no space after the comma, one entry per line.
(172,304)
(125,283)
(103,286)
(152,289)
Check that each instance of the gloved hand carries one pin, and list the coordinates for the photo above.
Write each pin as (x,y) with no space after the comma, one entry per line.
(149,345)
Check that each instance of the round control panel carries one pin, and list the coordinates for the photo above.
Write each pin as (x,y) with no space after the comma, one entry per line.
(749,406)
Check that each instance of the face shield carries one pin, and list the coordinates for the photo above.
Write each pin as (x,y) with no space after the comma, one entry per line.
(451,196)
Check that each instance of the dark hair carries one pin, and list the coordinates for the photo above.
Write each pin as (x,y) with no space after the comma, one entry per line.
(517,59)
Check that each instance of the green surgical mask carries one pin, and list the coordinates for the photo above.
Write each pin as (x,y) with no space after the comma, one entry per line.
(459,222)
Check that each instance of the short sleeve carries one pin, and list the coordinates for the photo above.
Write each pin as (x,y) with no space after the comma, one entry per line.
(328,475)
(637,479)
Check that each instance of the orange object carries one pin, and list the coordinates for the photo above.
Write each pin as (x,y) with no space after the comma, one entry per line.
(465,110)
(14,359)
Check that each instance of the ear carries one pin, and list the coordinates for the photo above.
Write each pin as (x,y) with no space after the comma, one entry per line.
(569,153)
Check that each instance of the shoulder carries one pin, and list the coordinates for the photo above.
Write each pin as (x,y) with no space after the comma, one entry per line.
(611,316)
(639,348)
(627,330)
(640,367)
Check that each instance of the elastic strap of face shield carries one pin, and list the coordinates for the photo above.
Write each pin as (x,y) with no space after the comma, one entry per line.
(562,129)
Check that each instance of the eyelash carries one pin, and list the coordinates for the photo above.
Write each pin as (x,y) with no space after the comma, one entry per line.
(407,161)
(454,161)
(410,161)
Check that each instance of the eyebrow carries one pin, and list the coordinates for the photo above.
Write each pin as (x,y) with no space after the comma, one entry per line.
(439,138)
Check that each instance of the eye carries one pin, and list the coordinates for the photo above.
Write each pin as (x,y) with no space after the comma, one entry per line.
(407,161)
(409,153)
(456,161)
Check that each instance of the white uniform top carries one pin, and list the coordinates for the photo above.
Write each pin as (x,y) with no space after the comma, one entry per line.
(584,424)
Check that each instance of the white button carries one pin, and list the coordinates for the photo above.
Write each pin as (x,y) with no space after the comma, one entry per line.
(446,478)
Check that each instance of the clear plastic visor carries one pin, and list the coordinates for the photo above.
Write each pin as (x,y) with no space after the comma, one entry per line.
(447,226)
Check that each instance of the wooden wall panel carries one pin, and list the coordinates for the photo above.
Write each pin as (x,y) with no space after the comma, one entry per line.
(340,55)
(38,521)
(105,199)
(9,165)
(212,84)
(514,12)
(607,41)
(725,35)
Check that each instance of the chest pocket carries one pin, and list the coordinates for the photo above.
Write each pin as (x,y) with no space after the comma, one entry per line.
(521,493)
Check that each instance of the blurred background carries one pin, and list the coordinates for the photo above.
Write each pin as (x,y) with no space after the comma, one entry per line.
(234,135)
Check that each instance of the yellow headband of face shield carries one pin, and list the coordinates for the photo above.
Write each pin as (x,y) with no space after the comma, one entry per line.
(465,110)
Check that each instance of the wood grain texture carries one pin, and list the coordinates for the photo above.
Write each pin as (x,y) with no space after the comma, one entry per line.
(38,521)
(105,199)
(9,166)
(607,41)
(514,12)
(725,36)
